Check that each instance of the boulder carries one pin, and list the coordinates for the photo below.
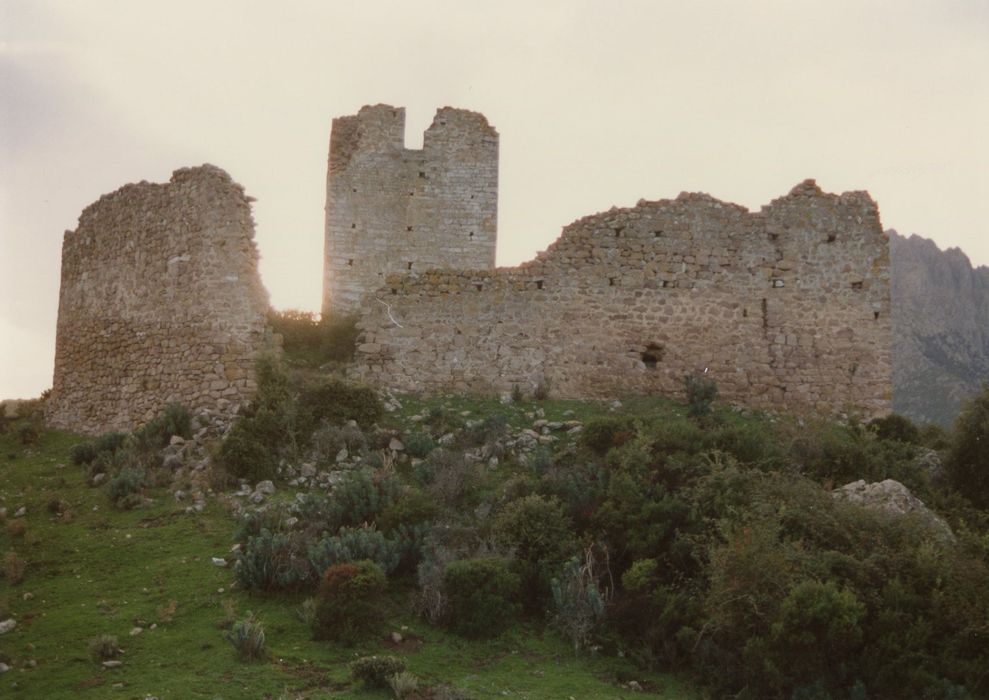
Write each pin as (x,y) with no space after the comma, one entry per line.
(892,498)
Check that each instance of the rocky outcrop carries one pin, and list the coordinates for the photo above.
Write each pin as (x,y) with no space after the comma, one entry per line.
(893,498)
(940,308)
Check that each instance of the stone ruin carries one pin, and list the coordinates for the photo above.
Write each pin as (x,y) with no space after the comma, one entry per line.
(160,302)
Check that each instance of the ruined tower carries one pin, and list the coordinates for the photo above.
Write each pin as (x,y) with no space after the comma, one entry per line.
(395,209)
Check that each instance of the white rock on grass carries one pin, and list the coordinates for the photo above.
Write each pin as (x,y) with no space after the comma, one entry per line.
(219,561)
(7,625)
(266,487)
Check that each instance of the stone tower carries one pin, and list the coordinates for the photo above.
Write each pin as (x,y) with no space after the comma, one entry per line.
(394,209)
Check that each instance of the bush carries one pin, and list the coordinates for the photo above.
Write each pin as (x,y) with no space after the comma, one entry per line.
(104,648)
(336,401)
(350,545)
(701,392)
(274,561)
(28,433)
(250,450)
(577,600)
(248,639)
(349,605)
(125,488)
(110,442)
(359,498)
(482,596)
(601,434)
(895,427)
(333,338)
(967,465)
(403,685)
(419,444)
(538,530)
(328,440)
(156,434)
(83,453)
(376,671)
(13,568)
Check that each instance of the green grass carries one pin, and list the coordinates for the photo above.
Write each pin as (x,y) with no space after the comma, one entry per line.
(102,571)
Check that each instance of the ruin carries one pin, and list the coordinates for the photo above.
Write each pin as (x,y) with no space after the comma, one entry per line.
(160,302)
(788,307)
(391,208)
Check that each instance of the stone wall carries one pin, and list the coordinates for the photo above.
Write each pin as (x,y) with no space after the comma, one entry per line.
(160,302)
(787,307)
(391,209)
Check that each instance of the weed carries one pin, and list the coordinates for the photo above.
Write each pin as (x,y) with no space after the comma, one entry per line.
(13,567)
(403,684)
(104,648)
(248,638)
(375,671)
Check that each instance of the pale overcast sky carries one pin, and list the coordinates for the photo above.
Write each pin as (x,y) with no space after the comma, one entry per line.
(598,103)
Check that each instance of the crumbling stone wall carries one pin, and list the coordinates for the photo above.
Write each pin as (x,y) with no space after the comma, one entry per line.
(391,209)
(785,307)
(160,301)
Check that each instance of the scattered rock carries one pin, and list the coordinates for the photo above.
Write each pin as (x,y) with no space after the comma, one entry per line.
(342,455)
(172,461)
(21,512)
(266,487)
(112,663)
(219,561)
(136,631)
(396,637)
(7,625)
(98,479)
(177,440)
(396,445)
(4,667)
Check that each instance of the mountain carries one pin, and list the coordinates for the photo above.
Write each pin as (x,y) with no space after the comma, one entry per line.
(940,328)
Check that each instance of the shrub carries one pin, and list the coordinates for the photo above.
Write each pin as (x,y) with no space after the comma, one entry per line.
(336,401)
(156,434)
(103,648)
(339,337)
(412,508)
(538,530)
(110,442)
(328,440)
(577,600)
(248,452)
(601,434)
(542,389)
(403,685)
(83,453)
(307,612)
(360,497)
(13,567)
(419,444)
(349,605)
(274,561)
(450,478)
(431,601)
(248,639)
(28,433)
(376,671)
(967,466)
(350,545)
(125,488)
(895,427)
(701,392)
(482,596)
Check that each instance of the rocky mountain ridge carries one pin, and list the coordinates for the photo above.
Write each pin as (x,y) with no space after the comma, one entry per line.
(940,307)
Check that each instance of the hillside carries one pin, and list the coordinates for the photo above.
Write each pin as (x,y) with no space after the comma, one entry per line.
(940,328)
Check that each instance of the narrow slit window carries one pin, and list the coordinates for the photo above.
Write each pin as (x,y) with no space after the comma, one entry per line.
(408,266)
(611,281)
(408,228)
(539,284)
(618,231)
(832,237)
(857,285)
(652,355)
(350,263)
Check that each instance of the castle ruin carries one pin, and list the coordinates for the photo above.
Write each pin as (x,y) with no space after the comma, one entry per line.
(394,209)
(788,307)
(160,302)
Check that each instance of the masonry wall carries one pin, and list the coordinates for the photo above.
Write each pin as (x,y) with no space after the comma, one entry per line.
(786,307)
(394,209)
(160,301)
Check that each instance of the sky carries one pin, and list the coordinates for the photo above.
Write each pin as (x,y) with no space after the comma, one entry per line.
(598,103)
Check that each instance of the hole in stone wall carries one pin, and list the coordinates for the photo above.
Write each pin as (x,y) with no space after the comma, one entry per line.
(422,174)
(472,196)
(394,291)
(470,235)
(745,313)
(353,226)
(666,283)
(408,228)
(350,263)
(773,236)
(412,194)
(857,285)
(652,355)
(618,231)
(765,314)
(353,189)
(408,266)
(657,234)
(832,237)
(611,281)
(539,284)
(875,315)
(479,287)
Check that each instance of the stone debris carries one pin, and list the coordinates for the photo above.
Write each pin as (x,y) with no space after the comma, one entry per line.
(892,498)
(7,625)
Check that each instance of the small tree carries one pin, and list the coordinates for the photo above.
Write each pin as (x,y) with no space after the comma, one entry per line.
(578,600)
(701,393)
(967,465)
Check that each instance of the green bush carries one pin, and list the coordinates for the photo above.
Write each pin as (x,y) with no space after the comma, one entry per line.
(538,530)
(375,671)
(156,434)
(578,605)
(83,453)
(601,434)
(350,545)
(336,401)
(247,452)
(333,338)
(967,465)
(248,639)
(110,442)
(104,648)
(701,392)
(274,561)
(419,444)
(482,596)
(360,497)
(328,440)
(895,427)
(412,508)
(28,433)
(125,487)
(350,602)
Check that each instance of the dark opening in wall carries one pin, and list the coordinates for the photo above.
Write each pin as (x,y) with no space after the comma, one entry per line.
(408,228)
(539,284)
(857,285)
(353,189)
(353,226)
(408,266)
(394,291)
(412,194)
(652,355)
(745,313)
(611,281)
(773,236)
(667,283)
(618,231)
(422,174)
(470,235)
(479,287)
(832,237)
(657,234)
(350,263)
(765,314)
(875,315)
